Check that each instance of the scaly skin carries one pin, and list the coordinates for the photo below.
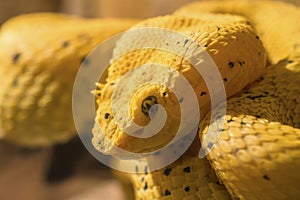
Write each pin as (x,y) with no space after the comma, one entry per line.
(258,153)
(227,43)
(39,58)
(261,135)
(267,19)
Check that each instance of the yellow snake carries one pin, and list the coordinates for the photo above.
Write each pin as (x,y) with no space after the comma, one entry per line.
(258,154)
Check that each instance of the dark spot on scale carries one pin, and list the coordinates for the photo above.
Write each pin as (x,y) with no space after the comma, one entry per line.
(248,23)
(167,193)
(257,37)
(187,170)
(225,79)
(143,178)
(146,170)
(146,186)
(106,115)
(165,94)
(259,53)
(230,120)
(266,177)
(65,44)
(257,116)
(255,97)
(16,57)
(218,28)
(231,64)
(178,42)
(203,93)
(205,45)
(266,92)
(167,44)
(185,42)
(290,61)
(243,123)
(187,189)
(167,171)
(241,63)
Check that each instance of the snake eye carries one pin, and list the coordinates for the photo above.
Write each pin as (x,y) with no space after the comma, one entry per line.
(147,103)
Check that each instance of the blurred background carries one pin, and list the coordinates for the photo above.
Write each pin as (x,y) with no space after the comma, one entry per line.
(67,171)
(91,8)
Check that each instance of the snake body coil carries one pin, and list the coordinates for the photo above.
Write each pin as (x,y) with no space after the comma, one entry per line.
(258,152)
(39,58)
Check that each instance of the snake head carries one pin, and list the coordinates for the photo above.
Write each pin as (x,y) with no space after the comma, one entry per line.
(142,80)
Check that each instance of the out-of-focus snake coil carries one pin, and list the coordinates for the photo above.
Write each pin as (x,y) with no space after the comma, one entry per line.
(258,152)
(40,54)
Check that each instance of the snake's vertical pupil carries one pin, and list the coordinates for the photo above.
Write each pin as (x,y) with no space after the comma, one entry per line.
(148,103)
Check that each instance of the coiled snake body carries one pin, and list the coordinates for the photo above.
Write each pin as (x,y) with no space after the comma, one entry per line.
(257,155)
(40,54)
(258,152)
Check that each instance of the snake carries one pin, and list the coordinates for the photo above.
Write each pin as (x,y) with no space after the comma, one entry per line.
(256,50)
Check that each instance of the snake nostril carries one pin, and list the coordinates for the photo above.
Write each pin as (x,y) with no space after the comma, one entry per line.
(147,103)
